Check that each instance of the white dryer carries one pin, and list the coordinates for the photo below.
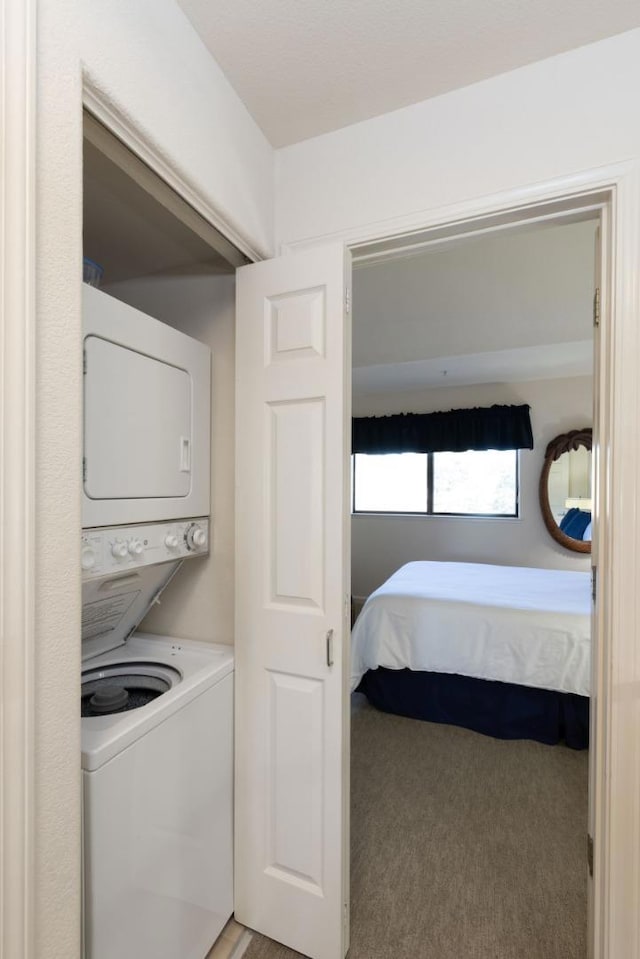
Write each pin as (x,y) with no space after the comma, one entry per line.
(157,757)
(147,405)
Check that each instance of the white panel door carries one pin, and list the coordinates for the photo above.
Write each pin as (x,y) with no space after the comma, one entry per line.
(292,600)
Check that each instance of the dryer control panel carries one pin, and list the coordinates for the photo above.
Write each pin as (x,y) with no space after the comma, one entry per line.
(115,548)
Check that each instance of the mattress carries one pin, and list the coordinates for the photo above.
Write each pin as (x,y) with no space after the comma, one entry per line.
(513,624)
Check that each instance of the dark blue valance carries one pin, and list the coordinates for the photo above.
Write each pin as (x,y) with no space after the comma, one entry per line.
(482,428)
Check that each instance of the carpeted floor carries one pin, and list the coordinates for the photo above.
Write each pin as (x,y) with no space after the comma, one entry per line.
(463,847)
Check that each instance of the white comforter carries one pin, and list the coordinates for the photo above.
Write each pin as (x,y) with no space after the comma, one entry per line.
(509,623)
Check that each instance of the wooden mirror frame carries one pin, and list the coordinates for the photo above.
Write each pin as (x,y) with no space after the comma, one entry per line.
(561,444)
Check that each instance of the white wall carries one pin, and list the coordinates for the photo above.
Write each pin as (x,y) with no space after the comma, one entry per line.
(570,113)
(148,62)
(199,602)
(380,544)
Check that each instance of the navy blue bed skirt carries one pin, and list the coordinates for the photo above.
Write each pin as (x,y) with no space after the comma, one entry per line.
(503,710)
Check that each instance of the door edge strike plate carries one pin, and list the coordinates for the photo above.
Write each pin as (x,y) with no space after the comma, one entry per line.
(329,648)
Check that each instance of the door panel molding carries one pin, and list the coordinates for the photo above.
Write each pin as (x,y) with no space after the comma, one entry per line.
(296,528)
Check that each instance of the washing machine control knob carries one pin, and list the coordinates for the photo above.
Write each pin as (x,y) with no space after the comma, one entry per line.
(87,557)
(135,547)
(196,537)
(119,549)
(171,541)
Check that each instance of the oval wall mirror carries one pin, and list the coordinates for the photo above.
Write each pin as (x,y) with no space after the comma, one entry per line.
(565,490)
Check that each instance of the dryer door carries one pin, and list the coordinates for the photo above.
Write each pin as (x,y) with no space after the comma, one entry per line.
(137,424)
(147,410)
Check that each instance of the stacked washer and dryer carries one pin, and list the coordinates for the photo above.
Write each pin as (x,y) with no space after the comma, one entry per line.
(157,711)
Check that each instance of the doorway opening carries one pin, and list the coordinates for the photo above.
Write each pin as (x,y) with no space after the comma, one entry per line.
(491,318)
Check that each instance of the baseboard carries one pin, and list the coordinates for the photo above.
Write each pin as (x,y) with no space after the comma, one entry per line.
(231,943)
(242,944)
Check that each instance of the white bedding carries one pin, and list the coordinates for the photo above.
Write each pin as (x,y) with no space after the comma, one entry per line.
(509,623)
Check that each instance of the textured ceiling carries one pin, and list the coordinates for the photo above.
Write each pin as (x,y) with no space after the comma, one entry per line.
(304,67)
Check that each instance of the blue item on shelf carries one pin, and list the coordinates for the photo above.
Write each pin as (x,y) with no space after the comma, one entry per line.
(91,272)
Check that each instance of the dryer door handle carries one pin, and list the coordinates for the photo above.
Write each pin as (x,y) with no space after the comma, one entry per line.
(185,454)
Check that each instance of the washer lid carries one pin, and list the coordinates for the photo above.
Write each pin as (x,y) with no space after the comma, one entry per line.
(113,605)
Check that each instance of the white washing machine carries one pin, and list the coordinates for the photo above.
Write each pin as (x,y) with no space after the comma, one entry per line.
(157,758)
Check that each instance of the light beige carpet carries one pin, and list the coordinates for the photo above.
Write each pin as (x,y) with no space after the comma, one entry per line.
(463,847)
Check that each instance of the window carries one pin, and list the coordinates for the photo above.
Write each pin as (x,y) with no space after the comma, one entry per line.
(473,483)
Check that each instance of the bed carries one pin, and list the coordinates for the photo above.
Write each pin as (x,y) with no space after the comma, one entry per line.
(504,650)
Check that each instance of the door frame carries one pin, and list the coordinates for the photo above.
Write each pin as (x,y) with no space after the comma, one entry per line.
(614,191)
(18,759)
(124,129)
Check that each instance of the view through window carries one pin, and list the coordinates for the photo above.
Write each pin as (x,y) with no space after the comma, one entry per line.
(473,483)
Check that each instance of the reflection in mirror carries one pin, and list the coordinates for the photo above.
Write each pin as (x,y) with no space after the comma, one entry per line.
(569,488)
(565,490)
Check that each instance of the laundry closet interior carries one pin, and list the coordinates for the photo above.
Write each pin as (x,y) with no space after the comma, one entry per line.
(467,829)
(162,258)
(158,490)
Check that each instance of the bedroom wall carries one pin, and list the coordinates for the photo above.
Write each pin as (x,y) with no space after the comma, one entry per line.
(380,544)
(199,602)
(563,115)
